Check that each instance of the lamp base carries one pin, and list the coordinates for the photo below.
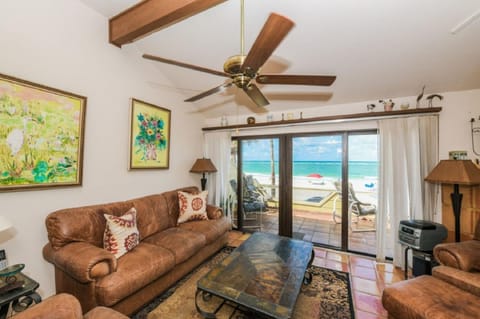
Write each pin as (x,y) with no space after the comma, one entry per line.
(203,180)
(456,197)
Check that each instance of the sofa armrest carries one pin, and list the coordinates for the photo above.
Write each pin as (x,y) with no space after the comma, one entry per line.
(214,212)
(464,255)
(82,261)
(55,307)
(469,281)
(104,313)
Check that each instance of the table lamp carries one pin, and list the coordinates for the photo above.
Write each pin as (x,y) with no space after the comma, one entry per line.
(203,165)
(456,172)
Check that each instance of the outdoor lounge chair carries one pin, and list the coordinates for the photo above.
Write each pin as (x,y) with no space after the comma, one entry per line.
(356,207)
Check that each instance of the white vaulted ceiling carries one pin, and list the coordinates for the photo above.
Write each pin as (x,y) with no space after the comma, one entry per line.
(376,48)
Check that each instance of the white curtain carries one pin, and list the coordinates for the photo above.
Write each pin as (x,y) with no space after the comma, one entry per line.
(408,151)
(217,148)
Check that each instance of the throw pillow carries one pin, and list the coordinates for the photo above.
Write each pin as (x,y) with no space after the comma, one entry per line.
(192,206)
(121,234)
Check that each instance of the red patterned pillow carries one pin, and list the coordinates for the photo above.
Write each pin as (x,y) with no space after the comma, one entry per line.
(121,234)
(192,207)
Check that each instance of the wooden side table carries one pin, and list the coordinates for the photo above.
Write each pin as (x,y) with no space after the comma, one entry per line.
(19,298)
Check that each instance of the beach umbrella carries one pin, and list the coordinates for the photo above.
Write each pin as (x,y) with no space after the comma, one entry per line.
(315,175)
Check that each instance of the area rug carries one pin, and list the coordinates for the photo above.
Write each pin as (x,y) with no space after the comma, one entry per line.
(327,296)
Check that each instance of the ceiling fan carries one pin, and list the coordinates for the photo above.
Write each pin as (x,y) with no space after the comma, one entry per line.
(244,69)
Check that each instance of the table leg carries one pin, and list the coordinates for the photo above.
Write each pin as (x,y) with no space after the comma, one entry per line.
(24,302)
(206,296)
(4,311)
(307,279)
(406,262)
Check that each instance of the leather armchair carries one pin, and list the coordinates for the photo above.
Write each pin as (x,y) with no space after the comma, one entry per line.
(453,290)
(65,306)
(460,263)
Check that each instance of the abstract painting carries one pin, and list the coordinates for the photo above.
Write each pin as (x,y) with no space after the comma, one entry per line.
(41,135)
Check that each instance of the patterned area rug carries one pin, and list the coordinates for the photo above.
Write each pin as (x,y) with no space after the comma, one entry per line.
(327,296)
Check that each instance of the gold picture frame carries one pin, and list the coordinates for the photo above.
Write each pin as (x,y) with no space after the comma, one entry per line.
(41,136)
(149,136)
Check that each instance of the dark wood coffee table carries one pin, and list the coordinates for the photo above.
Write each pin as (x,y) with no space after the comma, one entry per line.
(263,275)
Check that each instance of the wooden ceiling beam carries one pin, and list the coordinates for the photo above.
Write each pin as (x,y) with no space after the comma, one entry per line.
(151,15)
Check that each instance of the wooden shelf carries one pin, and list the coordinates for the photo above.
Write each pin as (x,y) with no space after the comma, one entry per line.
(329,118)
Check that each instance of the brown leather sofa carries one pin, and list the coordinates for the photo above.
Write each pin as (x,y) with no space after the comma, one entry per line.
(166,251)
(453,290)
(65,306)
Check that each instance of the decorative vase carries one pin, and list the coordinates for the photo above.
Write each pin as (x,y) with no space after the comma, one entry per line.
(388,106)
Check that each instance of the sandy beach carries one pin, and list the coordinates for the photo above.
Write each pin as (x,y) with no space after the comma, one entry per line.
(313,189)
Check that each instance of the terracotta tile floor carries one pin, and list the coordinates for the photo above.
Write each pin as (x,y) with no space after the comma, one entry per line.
(319,228)
(367,276)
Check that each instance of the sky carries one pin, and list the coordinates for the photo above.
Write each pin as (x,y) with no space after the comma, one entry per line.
(317,148)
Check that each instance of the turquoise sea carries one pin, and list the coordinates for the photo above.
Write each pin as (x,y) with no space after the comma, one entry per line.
(329,169)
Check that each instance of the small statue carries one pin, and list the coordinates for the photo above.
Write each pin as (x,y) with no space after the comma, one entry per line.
(431,97)
(370,107)
(419,97)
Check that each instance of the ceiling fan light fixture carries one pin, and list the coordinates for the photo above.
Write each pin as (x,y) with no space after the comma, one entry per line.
(233,64)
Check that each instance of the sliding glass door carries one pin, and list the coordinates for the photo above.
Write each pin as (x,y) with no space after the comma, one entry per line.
(257,184)
(295,185)
(363,192)
(316,176)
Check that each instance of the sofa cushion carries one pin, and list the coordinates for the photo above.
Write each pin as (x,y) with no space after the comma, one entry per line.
(135,270)
(81,224)
(211,229)
(192,206)
(152,214)
(182,243)
(87,223)
(171,198)
(121,233)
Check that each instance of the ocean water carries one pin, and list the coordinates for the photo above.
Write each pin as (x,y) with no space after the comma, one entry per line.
(328,169)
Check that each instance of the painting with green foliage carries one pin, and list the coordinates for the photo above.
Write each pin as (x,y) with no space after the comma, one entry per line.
(150,136)
(41,135)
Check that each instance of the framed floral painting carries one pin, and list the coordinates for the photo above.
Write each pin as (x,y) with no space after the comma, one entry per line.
(150,136)
(41,135)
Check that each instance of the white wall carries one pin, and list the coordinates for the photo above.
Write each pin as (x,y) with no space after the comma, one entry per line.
(64,44)
(455,129)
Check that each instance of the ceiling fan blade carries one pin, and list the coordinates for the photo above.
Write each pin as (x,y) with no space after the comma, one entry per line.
(185,65)
(256,95)
(217,89)
(324,80)
(275,29)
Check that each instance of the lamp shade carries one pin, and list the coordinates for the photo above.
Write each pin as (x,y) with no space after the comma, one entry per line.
(461,172)
(4,223)
(203,165)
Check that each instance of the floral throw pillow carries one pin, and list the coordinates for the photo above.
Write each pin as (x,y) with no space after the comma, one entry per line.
(192,206)
(121,234)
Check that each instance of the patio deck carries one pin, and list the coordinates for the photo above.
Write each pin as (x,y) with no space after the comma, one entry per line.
(315,223)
